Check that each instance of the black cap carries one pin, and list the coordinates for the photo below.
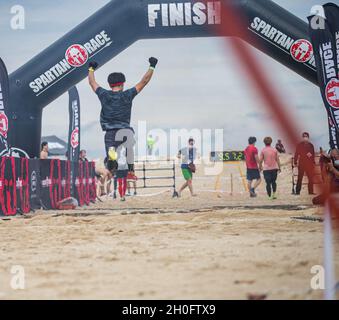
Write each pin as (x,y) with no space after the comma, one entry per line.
(116,79)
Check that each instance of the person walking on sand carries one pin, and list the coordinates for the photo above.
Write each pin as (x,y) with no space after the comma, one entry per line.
(304,158)
(270,158)
(252,161)
(188,156)
(122,172)
(280,147)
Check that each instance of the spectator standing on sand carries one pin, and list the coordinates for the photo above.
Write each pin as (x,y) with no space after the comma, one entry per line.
(150,144)
(304,158)
(83,155)
(280,147)
(330,173)
(188,155)
(132,179)
(44,151)
(252,161)
(104,177)
(122,172)
(270,158)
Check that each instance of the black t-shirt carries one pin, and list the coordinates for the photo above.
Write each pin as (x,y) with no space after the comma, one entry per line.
(116,108)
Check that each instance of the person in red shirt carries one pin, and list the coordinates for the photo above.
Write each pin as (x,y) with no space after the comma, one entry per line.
(131,179)
(304,158)
(252,161)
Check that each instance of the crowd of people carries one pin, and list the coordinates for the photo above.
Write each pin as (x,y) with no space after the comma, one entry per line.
(269,163)
(118,173)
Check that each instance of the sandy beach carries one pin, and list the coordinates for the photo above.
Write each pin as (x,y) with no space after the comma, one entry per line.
(213,246)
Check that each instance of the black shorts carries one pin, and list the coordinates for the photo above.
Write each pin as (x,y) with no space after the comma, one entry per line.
(253,174)
(121,137)
(120,174)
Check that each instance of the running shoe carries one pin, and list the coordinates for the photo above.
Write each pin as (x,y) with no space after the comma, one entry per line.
(252,193)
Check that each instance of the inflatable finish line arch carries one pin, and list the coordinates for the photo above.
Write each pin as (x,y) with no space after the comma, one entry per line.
(119,24)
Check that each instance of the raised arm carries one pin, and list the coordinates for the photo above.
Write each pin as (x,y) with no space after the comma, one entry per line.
(91,78)
(148,76)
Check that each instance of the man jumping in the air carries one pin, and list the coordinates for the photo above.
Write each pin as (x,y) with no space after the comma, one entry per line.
(116,105)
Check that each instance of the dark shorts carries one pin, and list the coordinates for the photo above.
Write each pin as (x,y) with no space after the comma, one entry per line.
(121,137)
(121,174)
(253,174)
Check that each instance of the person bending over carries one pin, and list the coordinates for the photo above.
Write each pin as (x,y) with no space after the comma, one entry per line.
(116,106)
(330,172)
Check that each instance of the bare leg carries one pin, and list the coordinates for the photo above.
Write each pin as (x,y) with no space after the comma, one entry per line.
(184,186)
(190,186)
(99,188)
(249,184)
(257,183)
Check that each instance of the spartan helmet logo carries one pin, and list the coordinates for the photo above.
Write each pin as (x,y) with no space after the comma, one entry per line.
(302,50)
(332,93)
(75,138)
(76,55)
(3,124)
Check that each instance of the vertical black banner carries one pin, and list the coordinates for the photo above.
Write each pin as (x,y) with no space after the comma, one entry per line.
(73,151)
(34,183)
(74,125)
(4,106)
(325,40)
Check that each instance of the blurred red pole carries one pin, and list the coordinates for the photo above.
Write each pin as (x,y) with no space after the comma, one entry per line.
(233,23)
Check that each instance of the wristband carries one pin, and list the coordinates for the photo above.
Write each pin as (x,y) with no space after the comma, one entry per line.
(91,69)
(152,68)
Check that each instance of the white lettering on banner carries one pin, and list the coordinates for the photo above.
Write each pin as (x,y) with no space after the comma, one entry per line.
(328,59)
(76,113)
(3,117)
(337,45)
(334,135)
(2,104)
(333,127)
(75,133)
(336,115)
(75,56)
(184,14)
(301,50)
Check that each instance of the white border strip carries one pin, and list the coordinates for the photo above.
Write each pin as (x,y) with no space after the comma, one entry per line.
(328,256)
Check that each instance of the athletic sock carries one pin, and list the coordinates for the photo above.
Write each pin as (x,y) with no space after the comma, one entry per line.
(120,187)
(124,185)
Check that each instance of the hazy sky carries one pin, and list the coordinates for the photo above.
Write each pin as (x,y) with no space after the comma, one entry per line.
(197,83)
